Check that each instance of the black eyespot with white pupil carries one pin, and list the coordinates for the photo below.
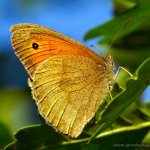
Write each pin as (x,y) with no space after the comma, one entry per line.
(35,46)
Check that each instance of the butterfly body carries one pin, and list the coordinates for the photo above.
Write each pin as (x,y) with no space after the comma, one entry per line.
(68,81)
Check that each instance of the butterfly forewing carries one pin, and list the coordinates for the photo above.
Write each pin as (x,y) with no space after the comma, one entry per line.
(49,43)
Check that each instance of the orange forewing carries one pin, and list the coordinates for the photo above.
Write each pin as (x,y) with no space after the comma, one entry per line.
(50,43)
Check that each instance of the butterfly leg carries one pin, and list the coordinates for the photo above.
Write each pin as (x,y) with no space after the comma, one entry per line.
(117,73)
(109,91)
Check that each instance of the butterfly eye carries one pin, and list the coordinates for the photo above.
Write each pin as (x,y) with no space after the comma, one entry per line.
(35,46)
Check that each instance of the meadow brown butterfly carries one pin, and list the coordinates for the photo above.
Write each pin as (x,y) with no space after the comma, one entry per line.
(68,80)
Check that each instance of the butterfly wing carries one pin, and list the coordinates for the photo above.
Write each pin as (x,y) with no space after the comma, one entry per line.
(68,80)
(68,90)
(48,42)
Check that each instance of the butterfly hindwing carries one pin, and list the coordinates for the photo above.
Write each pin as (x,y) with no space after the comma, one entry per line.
(68,90)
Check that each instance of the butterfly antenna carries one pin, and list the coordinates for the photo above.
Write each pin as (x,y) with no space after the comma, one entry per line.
(116,36)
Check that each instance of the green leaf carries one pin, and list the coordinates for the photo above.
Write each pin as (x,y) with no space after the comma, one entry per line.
(134,88)
(139,16)
(43,138)
(35,136)
(124,5)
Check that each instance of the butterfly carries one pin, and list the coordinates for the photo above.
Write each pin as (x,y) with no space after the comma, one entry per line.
(68,81)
